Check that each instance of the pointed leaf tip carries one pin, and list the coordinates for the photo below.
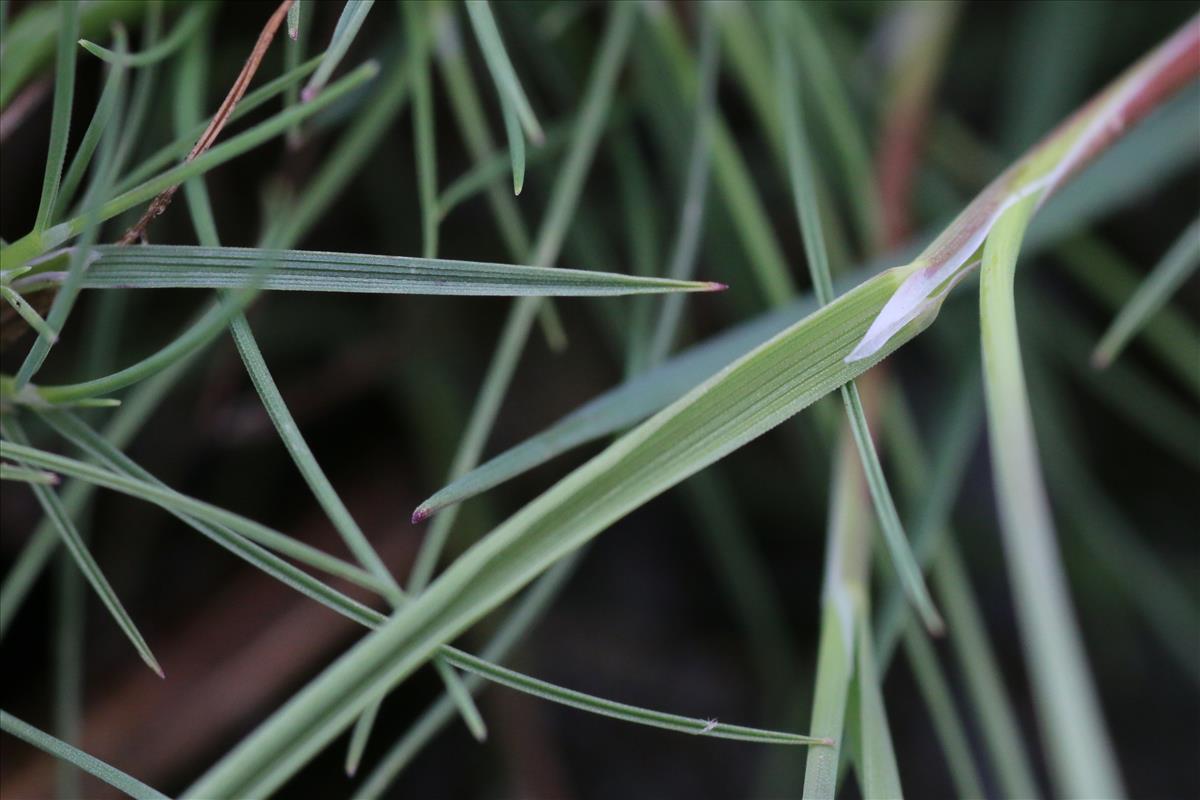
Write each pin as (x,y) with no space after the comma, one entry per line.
(421,514)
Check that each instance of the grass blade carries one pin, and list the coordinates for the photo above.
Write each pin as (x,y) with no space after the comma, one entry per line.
(512,96)
(845,580)
(805,197)
(60,120)
(1167,276)
(939,699)
(12,472)
(622,711)
(1106,276)
(980,668)
(354,13)
(695,192)
(53,508)
(190,267)
(170,500)
(125,424)
(563,201)
(28,313)
(1082,758)
(878,774)
(528,612)
(89,764)
(185,30)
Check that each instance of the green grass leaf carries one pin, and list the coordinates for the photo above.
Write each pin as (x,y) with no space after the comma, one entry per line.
(623,711)
(804,194)
(53,508)
(12,472)
(1167,276)
(1080,753)
(60,120)
(89,764)
(505,77)
(173,501)
(191,267)
(354,14)
(185,30)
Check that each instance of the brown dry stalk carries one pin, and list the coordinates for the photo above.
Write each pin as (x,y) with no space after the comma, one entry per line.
(206,140)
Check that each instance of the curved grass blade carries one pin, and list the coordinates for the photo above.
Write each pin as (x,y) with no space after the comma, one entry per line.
(105,107)
(89,764)
(354,13)
(190,267)
(53,508)
(1081,755)
(1167,276)
(184,31)
(622,711)
(1038,174)
(512,96)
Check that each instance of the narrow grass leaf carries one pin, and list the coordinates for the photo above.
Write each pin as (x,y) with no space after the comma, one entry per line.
(878,774)
(354,13)
(191,267)
(564,199)
(28,313)
(947,722)
(185,30)
(1109,278)
(125,424)
(53,508)
(106,106)
(90,764)
(622,711)
(804,194)
(695,192)
(1167,276)
(1038,174)
(60,119)
(12,472)
(503,74)
(170,500)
